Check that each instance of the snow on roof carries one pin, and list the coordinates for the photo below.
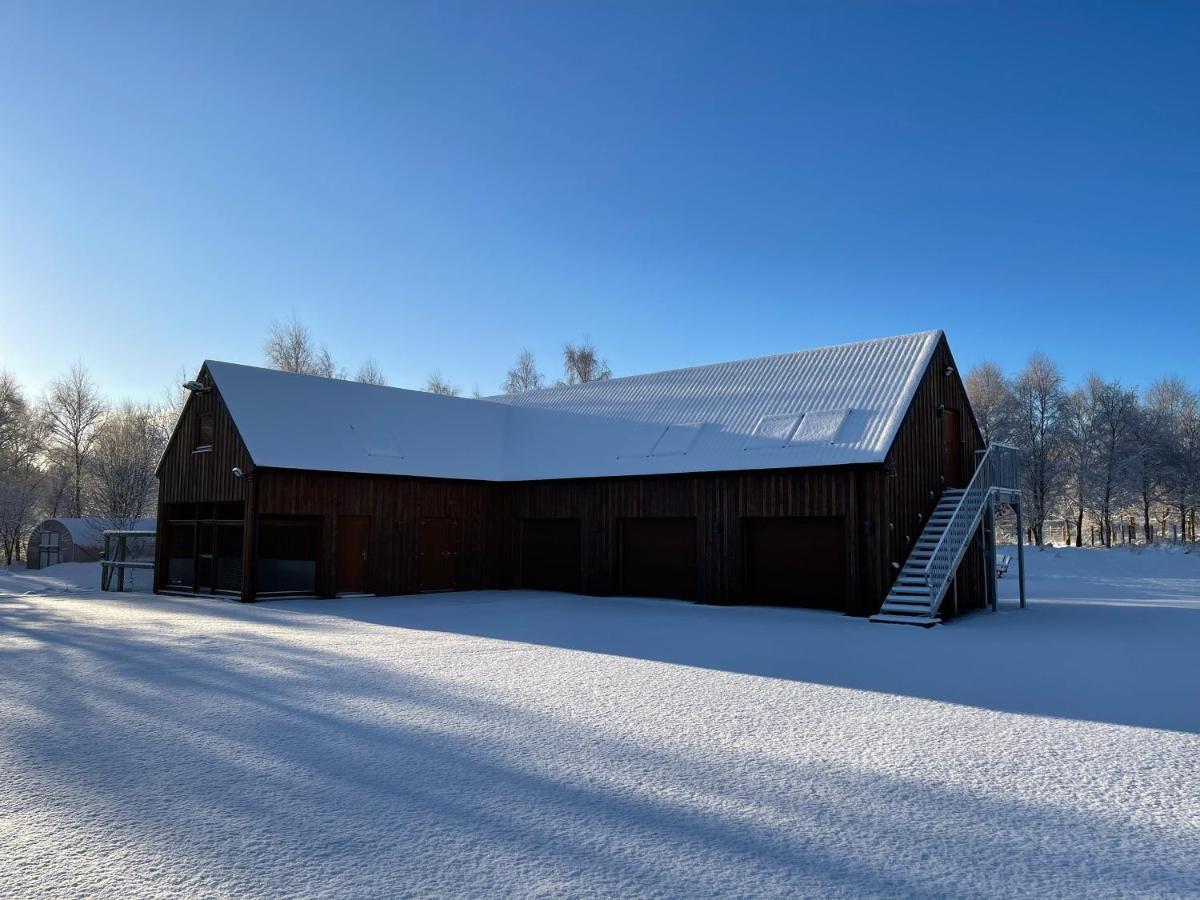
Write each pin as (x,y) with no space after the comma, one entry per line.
(89,530)
(829,406)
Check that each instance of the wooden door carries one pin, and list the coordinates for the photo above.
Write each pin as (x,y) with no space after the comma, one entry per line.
(952,448)
(795,561)
(353,545)
(658,558)
(550,554)
(439,554)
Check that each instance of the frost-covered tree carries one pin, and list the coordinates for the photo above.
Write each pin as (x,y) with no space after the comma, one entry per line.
(523,376)
(20,472)
(991,399)
(1078,418)
(436,384)
(1146,462)
(582,364)
(290,348)
(1038,432)
(128,445)
(370,373)
(72,410)
(1113,450)
(1178,408)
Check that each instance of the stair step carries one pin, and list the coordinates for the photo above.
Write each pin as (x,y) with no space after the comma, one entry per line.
(896,606)
(924,621)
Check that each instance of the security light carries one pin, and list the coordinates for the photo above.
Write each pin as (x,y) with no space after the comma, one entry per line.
(948,371)
(237,472)
(195,387)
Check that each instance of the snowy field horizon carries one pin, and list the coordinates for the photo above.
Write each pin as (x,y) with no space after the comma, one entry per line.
(528,744)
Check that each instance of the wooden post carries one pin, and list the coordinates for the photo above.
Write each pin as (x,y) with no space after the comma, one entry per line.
(120,557)
(1020,557)
(249,537)
(990,538)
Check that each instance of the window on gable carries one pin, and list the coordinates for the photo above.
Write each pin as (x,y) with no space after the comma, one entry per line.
(204,432)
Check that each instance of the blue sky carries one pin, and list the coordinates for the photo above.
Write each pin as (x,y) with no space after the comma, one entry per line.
(437,185)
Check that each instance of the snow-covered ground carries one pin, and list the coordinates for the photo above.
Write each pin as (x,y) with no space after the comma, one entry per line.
(539,744)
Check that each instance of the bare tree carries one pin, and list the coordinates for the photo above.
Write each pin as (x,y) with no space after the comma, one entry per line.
(1146,461)
(991,399)
(1113,451)
(13,409)
(582,364)
(1178,408)
(524,376)
(20,472)
(72,410)
(59,475)
(370,373)
(290,348)
(128,445)
(1037,429)
(1078,417)
(436,384)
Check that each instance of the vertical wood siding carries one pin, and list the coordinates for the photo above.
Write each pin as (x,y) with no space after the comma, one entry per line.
(912,479)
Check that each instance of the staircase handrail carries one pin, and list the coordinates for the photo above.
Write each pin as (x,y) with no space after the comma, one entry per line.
(996,471)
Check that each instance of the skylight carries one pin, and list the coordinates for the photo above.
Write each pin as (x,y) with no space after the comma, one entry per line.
(819,427)
(677,439)
(773,432)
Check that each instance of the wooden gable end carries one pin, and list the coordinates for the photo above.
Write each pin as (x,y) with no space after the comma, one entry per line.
(197,466)
(916,470)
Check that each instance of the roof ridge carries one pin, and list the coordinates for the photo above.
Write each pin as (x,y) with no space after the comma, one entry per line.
(727,362)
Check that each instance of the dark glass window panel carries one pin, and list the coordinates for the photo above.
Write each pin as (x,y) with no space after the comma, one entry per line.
(204,430)
(180,555)
(228,554)
(287,556)
(204,545)
(229,511)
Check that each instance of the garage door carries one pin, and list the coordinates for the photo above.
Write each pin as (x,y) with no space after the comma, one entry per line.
(658,558)
(550,554)
(796,561)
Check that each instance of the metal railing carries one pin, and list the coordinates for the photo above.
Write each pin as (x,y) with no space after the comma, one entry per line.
(997,470)
(125,549)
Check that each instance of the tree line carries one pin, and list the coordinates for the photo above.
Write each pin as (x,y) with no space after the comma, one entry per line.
(73,453)
(291,347)
(1101,462)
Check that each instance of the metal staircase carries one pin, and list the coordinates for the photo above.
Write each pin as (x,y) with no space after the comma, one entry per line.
(928,573)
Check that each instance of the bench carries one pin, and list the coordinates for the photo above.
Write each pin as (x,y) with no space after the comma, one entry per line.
(1002,563)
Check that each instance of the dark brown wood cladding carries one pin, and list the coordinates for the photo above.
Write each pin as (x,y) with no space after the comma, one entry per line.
(882,508)
(188,475)
(914,475)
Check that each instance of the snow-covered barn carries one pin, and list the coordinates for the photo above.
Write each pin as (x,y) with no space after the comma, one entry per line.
(811,478)
(61,540)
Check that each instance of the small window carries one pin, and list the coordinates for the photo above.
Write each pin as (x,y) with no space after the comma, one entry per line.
(204,432)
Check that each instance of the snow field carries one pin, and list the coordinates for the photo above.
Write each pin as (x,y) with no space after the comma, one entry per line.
(525,744)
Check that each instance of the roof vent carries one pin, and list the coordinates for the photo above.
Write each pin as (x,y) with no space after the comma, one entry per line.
(378,441)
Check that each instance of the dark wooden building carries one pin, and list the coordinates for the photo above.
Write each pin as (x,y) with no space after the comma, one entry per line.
(802,479)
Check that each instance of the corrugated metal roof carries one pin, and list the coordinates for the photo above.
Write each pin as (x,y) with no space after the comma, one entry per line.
(829,406)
